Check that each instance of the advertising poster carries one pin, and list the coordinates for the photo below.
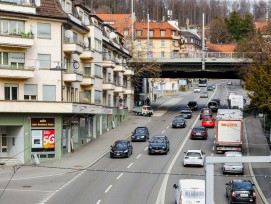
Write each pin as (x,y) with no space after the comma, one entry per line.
(36,138)
(49,139)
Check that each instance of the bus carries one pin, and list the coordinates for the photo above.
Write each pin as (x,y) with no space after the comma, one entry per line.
(202,82)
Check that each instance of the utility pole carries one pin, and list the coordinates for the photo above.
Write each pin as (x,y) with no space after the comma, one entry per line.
(203,44)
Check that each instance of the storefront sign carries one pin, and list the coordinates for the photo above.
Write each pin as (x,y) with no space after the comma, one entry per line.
(42,122)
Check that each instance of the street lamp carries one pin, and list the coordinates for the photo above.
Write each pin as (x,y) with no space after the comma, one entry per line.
(59,68)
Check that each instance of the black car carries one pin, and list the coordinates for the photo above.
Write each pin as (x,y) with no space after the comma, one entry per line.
(193,105)
(205,112)
(121,148)
(186,113)
(210,87)
(159,144)
(140,134)
(199,132)
(213,105)
(240,191)
(178,122)
(217,100)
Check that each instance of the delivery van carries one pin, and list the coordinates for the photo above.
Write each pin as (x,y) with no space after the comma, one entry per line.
(190,191)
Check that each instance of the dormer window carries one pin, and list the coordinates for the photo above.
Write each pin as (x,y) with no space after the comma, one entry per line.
(67,6)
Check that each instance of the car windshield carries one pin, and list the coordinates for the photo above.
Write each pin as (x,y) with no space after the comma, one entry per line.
(205,111)
(121,145)
(139,130)
(185,111)
(193,154)
(207,118)
(243,186)
(158,140)
(198,129)
(178,120)
(192,103)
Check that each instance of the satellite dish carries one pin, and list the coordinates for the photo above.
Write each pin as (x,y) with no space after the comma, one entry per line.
(68,34)
(34,29)
(37,2)
(86,42)
(112,35)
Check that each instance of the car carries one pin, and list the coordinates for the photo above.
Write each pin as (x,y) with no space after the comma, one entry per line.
(186,113)
(234,167)
(213,105)
(193,105)
(210,87)
(159,144)
(179,116)
(208,121)
(204,94)
(217,100)
(199,132)
(190,191)
(178,122)
(194,158)
(240,191)
(214,86)
(140,134)
(205,112)
(121,148)
(196,90)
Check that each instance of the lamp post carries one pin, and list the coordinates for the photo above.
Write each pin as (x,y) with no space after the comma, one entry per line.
(58,68)
(203,44)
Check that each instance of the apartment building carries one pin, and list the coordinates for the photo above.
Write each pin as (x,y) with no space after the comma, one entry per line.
(52,68)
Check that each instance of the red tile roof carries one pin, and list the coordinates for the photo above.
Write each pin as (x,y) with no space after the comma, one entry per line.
(220,47)
(51,8)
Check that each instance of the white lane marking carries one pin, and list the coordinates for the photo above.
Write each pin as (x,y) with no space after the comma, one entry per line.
(167,127)
(145,148)
(213,148)
(138,156)
(130,165)
(98,201)
(119,176)
(108,188)
(163,131)
(161,195)
(214,141)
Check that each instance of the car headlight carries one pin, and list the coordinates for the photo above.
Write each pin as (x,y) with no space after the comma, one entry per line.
(142,136)
(164,147)
(150,147)
(125,151)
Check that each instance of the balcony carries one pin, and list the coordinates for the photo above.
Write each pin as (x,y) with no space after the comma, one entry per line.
(176,37)
(128,72)
(119,68)
(87,54)
(24,40)
(18,6)
(9,72)
(73,47)
(74,76)
(108,85)
(88,81)
(119,89)
(129,91)
(108,62)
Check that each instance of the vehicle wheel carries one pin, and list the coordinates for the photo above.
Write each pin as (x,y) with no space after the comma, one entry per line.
(184,165)
(149,153)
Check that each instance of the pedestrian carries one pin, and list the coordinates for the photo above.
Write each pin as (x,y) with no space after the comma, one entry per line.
(147,101)
(155,97)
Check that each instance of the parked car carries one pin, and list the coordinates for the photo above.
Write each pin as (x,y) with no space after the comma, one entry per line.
(121,148)
(193,105)
(205,112)
(213,105)
(178,122)
(159,144)
(208,121)
(196,90)
(140,134)
(194,158)
(210,87)
(204,94)
(199,132)
(240,191)
(186,113)
(235,168)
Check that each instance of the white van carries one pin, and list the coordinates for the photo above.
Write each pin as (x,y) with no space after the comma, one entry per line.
(190,191)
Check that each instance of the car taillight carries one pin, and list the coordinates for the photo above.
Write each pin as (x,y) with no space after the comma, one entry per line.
(144,108)
(193,133)
(254,195)
(203,133)
(233,195)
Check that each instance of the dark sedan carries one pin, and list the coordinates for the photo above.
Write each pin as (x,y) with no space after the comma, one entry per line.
(178,122)
(159,144)
(240,191)
(140,134)
(186,113)
(121,148)
(199,132)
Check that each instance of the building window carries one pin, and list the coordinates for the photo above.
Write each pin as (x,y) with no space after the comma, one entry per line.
(151,44)
(109,100)
(44,30)
(139,43)
(138,33)
(162,54)
(30,92)
(15,60)
(98,97)
(151,33)
(162,43)
(192,40)
(163,33)
(151,54)
(49,93)
(11,91)
(98,45)
(67,63)
(87,70)
(11,27)
(109,77)
(173,42)
(4,58)
(173,33)
(44,60)
(98,71)
(139,54)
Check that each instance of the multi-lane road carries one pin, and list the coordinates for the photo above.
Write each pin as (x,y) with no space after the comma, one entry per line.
(148,179)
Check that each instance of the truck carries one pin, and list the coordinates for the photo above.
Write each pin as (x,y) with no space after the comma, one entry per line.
(228,114)
(144,110)
(236,101)
(228,135)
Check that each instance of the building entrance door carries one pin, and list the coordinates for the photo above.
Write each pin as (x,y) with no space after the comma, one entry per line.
(3,145)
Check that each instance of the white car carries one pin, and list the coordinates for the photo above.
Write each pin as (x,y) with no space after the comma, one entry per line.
(196,90)
(194,158)
(235,168)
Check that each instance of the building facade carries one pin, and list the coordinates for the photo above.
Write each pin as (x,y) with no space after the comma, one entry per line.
(53,77)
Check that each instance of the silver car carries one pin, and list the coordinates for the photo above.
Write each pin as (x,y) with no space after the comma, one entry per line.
(204,94)
(233,168)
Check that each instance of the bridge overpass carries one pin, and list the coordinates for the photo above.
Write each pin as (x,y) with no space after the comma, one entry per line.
(198,65)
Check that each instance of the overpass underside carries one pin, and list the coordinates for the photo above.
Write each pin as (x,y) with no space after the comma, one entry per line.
(195,70)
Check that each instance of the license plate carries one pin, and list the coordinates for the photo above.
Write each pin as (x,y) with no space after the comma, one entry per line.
(198,133)
(117,154)
(243,195)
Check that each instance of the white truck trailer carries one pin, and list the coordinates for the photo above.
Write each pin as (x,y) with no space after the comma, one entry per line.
(236,101)
(229,135)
